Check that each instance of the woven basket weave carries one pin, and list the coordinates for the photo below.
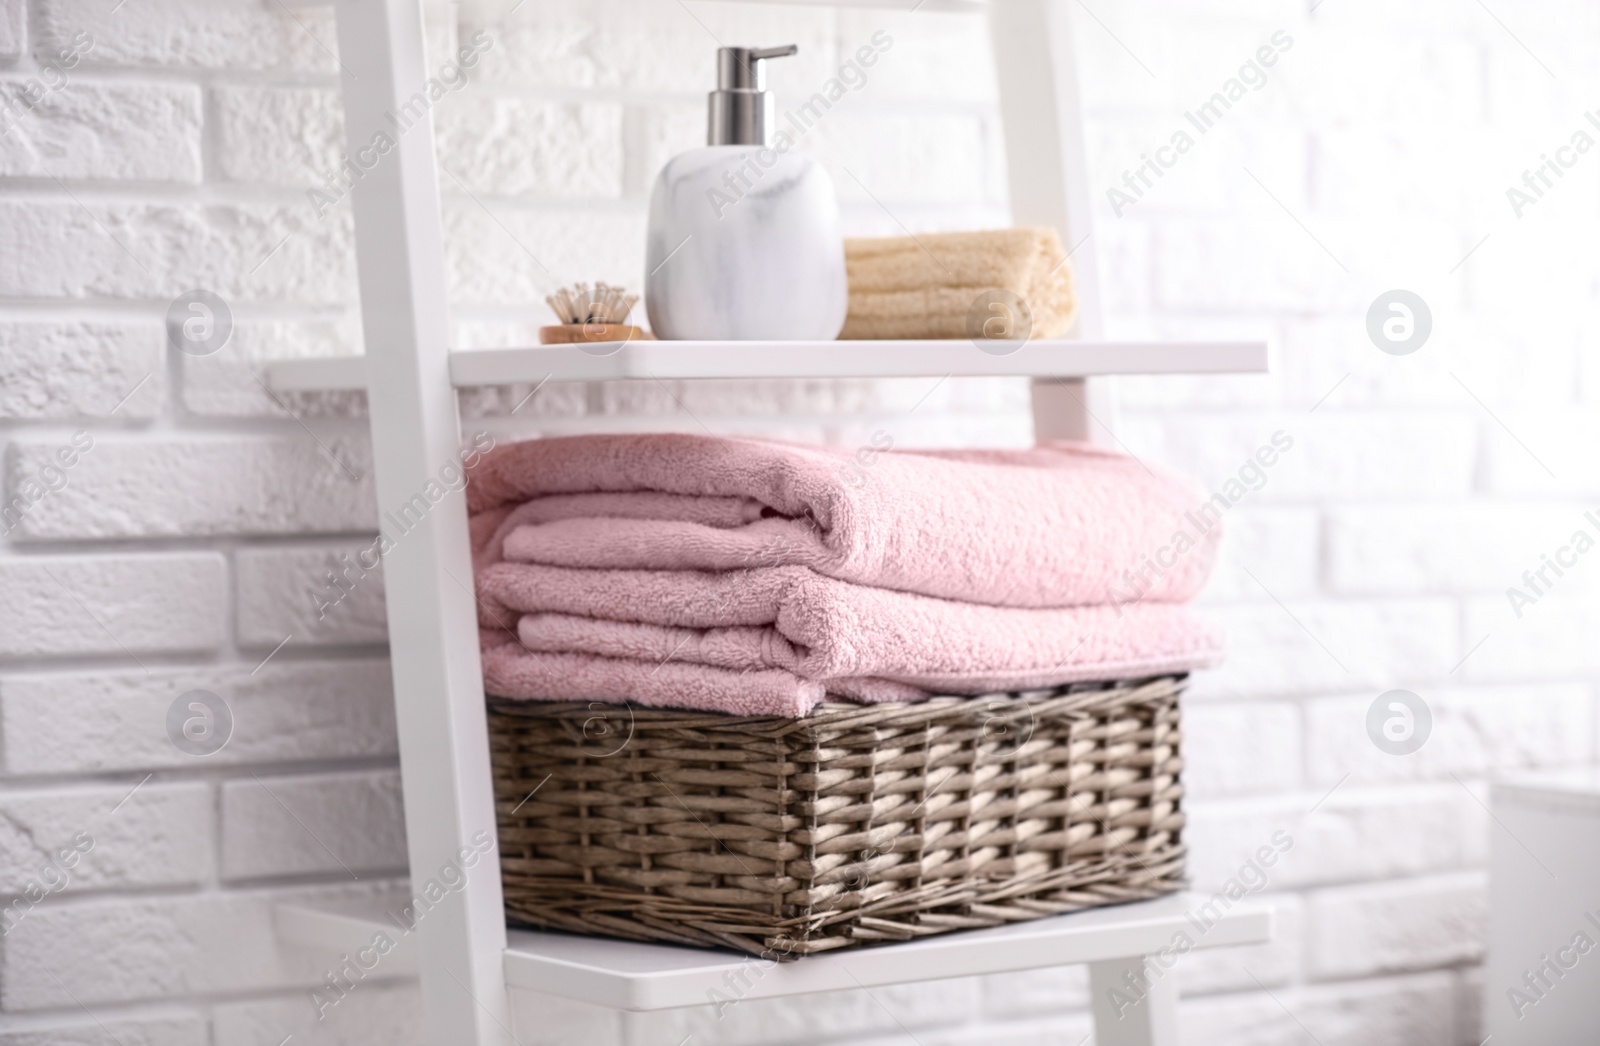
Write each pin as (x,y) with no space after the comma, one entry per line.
(856,824)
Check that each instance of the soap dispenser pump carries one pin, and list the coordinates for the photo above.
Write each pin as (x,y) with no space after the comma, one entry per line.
(744,240)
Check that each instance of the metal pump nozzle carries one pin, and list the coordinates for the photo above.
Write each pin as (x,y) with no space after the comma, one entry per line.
(741,108)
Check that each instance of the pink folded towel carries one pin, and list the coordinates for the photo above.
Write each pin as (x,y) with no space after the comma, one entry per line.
(1055,526)
(773,640)
(755,577)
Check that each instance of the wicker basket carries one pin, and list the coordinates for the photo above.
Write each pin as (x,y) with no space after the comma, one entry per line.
(857,824)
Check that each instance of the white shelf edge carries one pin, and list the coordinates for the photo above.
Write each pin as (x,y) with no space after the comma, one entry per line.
(678,360)
(626,975)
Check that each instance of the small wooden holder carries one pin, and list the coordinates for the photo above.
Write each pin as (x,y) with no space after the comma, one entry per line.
(584,333)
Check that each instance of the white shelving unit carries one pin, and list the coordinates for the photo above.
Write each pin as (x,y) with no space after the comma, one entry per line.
(462,951)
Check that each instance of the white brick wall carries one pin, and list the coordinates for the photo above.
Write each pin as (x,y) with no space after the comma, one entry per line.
(103,131)
(81,370)
(327,823)
(185,549)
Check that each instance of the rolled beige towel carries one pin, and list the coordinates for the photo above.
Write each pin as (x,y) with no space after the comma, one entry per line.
(925,286)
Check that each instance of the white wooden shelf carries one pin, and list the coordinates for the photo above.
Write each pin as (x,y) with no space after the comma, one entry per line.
(630,976)
(795,359)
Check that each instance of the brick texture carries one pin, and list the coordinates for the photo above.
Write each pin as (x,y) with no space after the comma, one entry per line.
(1411,925)
(288,591)
(387,1013)
(81,370)
(129,836)
(112,604)
(85,131)
(296,825)
(163,946)
(158,1030)
(134,251)
(115,720)
(215,485)
(282,135)
(198,34)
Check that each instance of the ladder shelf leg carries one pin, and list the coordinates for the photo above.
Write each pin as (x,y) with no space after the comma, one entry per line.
(440,712)
(1041,111)
(1134,1001)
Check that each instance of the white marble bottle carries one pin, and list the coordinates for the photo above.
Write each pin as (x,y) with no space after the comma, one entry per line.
(744,240)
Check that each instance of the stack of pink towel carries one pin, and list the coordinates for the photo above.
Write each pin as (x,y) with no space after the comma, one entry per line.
(754,577)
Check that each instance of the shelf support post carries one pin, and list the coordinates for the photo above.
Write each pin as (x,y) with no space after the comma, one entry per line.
(1041,110)
(416,449)
(1132,1003)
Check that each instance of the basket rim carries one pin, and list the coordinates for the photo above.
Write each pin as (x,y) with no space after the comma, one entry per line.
(836,714)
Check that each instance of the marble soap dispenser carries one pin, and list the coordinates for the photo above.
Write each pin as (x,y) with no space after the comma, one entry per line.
(744,240)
